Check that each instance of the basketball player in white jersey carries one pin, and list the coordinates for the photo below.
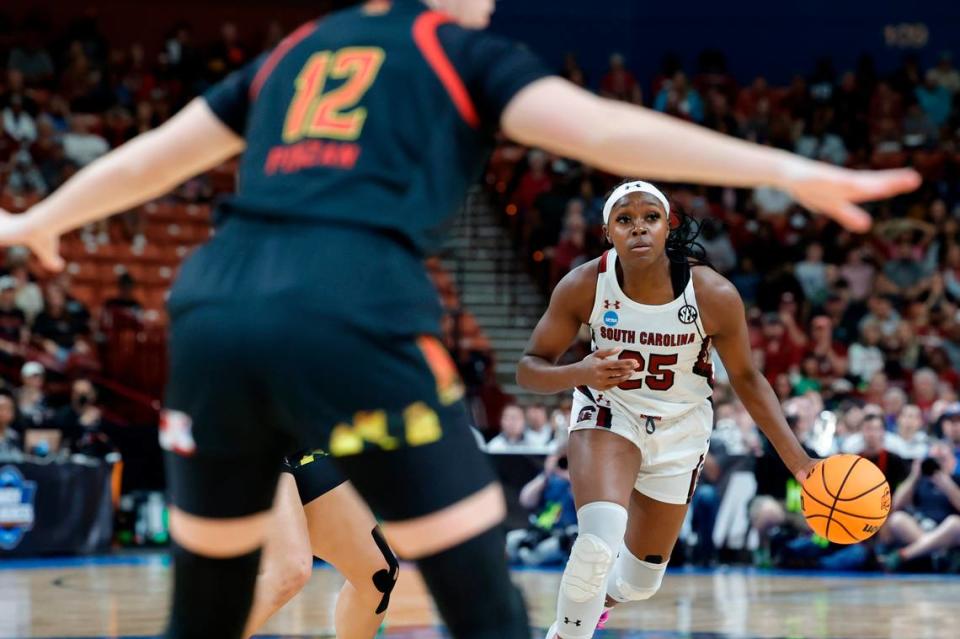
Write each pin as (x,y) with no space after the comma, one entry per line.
(642,412)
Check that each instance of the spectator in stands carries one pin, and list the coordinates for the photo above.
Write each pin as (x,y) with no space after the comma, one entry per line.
(81,421)
(780,351)
(17,122)
(818,143)
(814,276)
(925,389)
(31,400)
(29,297)
(25,177)
(534,182)
(881,310)
(950,427)
(910,440)
(951,272)
(125,299)
(539,429)
(926,508)
(56,330)
(513,431)
(80,145)
(31,59)
(571,250)
(808,377)
(716,242)
(904,275)
(944,74)
(918,129)
(14,329)
(679,99)
(11,440)
(553,519)
(227,54)
(865,356)
(873,443)
(859,274)
(831,355)
(619,83)
(935,100)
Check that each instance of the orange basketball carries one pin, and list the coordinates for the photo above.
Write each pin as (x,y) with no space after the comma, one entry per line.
(845,499)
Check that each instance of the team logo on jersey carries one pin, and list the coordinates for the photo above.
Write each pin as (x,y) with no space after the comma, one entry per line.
(687,314)
(615,305)
(16,506)
(610,318)
(586,414)
(176,433)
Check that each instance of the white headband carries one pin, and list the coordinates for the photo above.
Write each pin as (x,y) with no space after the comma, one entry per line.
(633,187)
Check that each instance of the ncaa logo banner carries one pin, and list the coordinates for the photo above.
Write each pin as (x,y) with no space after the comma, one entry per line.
(16,506)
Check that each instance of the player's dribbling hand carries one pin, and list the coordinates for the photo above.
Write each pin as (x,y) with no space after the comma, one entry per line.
(602,370)
(834,191)
(18,229)
(804,471)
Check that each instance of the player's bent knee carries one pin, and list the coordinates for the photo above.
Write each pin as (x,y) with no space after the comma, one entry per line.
(634,579)
(218,538)
(448,527)
(292,576)
(602,526)
(591,559)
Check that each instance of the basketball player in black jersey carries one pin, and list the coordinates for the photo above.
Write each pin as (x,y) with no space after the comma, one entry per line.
(309,319)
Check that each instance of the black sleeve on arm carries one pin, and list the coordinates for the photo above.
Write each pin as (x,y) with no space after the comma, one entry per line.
(229,99)
(494,69)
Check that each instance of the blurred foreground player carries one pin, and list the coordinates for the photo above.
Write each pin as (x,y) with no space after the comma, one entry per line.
(309,320)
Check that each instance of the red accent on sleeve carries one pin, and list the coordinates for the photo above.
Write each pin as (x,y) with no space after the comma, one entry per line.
(425,36)
(277,54)
(603,262)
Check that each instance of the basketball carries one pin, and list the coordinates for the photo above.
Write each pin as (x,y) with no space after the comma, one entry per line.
(845,499)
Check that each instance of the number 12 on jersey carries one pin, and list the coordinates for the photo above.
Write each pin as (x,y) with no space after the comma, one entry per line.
(315,111)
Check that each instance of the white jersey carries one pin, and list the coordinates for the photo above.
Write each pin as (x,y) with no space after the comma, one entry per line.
(668,341)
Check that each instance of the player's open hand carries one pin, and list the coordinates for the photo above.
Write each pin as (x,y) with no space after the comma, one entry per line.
(602,370)
(20,229)
(834,191)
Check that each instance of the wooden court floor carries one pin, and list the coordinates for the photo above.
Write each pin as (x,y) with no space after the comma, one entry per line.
(127,596)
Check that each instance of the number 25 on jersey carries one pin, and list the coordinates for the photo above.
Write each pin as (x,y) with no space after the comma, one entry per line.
(318,111)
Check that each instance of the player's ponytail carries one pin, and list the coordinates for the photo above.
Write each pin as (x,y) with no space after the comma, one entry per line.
(682,244)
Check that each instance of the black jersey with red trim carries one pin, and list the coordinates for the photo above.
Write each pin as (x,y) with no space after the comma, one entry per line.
(376,120)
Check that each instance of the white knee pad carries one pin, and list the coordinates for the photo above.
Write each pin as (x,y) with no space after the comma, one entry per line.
(634,580)
(601,528)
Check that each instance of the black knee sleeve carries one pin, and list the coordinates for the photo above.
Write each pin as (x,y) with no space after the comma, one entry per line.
(473,591)
(384,580)
(211,597)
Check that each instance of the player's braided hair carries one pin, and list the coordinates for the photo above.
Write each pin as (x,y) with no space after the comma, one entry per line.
(682,245)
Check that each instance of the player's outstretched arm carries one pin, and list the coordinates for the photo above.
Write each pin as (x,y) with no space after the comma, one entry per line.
(570,306)
(146,167)
(628,140)
(721,302)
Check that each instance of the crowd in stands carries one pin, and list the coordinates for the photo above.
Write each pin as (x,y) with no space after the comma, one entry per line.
(40,424)
(859,335)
